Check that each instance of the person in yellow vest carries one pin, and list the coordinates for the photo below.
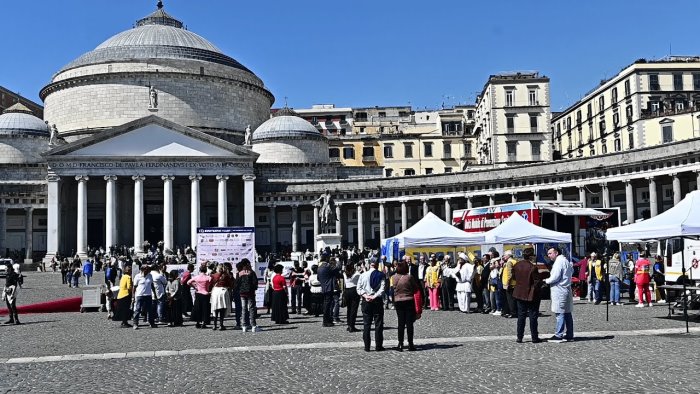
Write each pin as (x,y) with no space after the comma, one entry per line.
(595,277)
(509,283)
(432,283)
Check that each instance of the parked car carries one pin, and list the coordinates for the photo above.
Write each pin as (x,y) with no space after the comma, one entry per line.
(3,267)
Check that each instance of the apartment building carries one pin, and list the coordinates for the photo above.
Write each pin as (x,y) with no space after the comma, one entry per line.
(512,119)
(648,103)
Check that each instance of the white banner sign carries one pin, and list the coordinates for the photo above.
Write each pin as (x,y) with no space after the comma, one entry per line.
(225,244)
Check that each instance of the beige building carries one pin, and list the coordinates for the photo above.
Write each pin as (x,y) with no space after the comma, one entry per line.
(513,119)
(648,103)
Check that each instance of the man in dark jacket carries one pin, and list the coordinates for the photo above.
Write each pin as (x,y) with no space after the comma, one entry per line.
(327,276)
(526,294)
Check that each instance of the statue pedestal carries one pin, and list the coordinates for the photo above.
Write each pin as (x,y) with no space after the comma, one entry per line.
(331,240)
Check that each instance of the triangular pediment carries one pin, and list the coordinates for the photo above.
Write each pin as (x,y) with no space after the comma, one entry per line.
(152,137)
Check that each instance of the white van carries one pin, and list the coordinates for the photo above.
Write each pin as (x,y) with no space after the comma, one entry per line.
(690,251)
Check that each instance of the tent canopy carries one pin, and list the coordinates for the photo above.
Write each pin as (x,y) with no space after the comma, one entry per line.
(433,231)
(683,220)
(517,230)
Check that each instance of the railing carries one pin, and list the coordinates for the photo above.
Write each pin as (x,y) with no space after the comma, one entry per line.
(369,158)
(648,114)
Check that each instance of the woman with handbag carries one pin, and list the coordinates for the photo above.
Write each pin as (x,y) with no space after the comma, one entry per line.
(278,303)
(123,309)
(405,288)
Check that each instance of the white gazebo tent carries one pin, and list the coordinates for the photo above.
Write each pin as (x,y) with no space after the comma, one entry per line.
(682,221)
(433,231)
(517,230)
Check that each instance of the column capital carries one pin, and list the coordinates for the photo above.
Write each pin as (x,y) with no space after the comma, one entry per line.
(82,178)
(295,205)
(138,178)
(110,178)
(403,201)
(447,198)
(558,188)
(359,203)
(381,202)
(581,187)
(272,206)
(316,205)
(603,184)
(29,209)
(222,177)
(53,178)
(674,174)
(195,178)
(248,177)
(168,178)
(627,181)
(651,178)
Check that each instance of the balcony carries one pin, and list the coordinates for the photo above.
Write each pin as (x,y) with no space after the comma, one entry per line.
(334,159)
(369,159)
(648,114)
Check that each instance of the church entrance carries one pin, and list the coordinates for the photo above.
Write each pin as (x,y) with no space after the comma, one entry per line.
(153,222)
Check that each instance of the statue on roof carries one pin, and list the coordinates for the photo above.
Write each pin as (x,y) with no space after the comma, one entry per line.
(248,136)
(53,139)
(152,98)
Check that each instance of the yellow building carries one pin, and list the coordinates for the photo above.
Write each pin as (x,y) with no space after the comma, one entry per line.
(648,103)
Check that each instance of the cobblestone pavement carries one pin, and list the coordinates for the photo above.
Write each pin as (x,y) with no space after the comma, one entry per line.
(457,353)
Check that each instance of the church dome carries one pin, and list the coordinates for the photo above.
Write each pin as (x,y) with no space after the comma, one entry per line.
(18,119)
(288,139)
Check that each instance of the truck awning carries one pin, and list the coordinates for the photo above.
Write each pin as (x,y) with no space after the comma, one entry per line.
(572,211)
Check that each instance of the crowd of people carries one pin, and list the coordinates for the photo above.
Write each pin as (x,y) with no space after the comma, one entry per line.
(360,281)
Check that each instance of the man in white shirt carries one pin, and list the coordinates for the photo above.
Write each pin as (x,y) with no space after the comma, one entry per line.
(370,288)
(464,274)
(159,297)
(143,292)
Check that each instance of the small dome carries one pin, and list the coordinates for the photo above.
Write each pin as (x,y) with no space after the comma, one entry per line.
(286,124)
(19,119)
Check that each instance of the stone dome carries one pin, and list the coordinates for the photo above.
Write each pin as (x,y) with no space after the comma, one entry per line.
(190,81)
(18,119)
(23,136)
(286,138)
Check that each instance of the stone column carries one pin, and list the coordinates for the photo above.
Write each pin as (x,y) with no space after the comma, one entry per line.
(110,212)
(28,235)
(582,195)
(492,199)
(404,216)
(52,216)
(222,200)
(338,222)
(81,249)
(605,194)
(536,195)
(194,208)
(138,212)
(470,202)
(3,230)
(317,225)
(629,201)
(360,227)
(560,194)
(273,228)
(168,211)
(382,221)
(677,197)
(513,197)
(448,211)
(249,200)
(653,200)
(295,228)
(425,207)
(697,180)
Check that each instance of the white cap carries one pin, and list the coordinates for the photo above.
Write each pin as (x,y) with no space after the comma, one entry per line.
(463,256)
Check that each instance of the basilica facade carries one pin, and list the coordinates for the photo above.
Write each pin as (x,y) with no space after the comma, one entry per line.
(157,132)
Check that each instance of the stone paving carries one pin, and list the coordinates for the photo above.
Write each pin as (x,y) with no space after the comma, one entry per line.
(457,353)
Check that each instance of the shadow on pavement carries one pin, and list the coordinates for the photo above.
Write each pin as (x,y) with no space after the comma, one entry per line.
(279,328)
(585,339)
(437,346)
(28,323)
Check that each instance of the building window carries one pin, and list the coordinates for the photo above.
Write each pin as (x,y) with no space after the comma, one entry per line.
(580,135)
(589,108)
(388,172)
(409,171)
(428,171)
(428,149)
(362,130)
(333,153)
(680,106)
(532,97)
(361,116)
(348,152)
(512,150)
(448,170)
(628,112)
(408,150)
(535,150)
(509,97)
(677,81)
(601,103)
(613,96)
(601,126)
(696,81)
(631,138)
(654,82)
(578,117)
(467,149)
(368,151)
(592,151)
(618,145)
(627,87)
(510,123)
(604,148)
(381,114)
(388,151)
(616,119)
(446,150)
(667,131)
(533,122)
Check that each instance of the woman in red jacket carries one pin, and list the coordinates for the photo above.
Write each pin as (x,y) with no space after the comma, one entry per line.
(642,277)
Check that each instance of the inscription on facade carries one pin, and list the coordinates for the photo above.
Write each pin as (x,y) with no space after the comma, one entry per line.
(127,165)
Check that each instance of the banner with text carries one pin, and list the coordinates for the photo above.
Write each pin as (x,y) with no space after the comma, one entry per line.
(225,244)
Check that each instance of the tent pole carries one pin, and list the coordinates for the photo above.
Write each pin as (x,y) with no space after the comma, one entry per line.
(685,296)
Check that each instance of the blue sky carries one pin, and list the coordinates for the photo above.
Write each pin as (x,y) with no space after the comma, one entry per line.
(366,53)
